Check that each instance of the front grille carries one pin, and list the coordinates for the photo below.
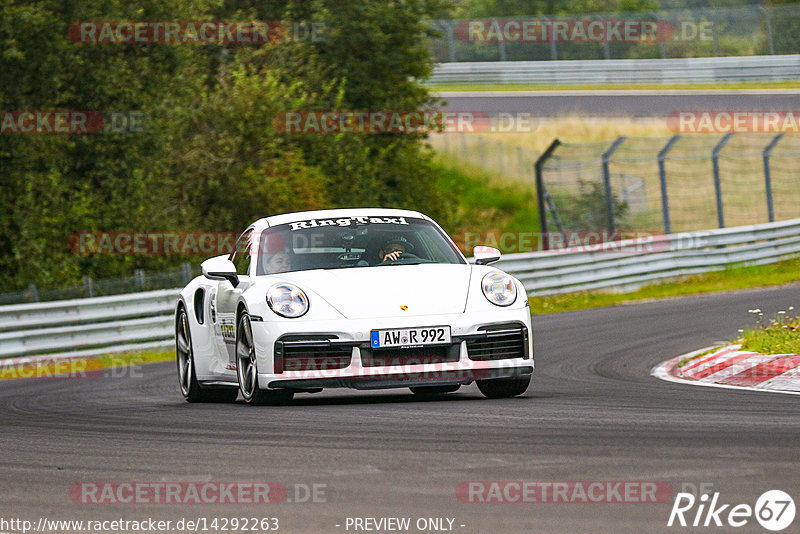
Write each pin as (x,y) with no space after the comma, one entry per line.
(309,354)
(498,344)
(296,359)
(416,356)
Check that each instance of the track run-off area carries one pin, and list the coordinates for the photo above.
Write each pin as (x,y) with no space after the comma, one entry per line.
(593,413)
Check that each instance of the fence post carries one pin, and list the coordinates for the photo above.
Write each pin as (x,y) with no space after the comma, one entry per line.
(187,272)
(662,176)
(138,278)
(501,44)
(606,47)
(451,41)
(662,49)
(717,182)
(540,191)
(553,45)
(768,21)
(714,34)
(34,292)
(768,176)
(607,182)
(88,285)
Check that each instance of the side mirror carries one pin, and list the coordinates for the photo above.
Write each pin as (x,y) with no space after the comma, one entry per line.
(485,255)
(220,268)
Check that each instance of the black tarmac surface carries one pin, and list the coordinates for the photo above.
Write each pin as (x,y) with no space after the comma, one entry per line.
(593,412)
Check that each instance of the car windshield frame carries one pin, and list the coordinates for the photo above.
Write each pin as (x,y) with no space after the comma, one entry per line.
(351,242)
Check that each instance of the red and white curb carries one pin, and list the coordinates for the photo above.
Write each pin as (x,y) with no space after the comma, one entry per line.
(730,367)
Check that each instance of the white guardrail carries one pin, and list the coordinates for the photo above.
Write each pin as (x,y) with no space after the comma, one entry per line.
(88,326)
(144,320)
(600,71)
(624,265)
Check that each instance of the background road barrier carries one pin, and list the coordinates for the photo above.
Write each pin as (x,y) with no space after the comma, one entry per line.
(88,326)
(633,263)
(622,71)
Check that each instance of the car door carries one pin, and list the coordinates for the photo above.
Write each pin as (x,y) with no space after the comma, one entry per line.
(227,299)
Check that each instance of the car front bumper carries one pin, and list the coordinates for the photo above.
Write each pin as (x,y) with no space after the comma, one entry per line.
(500,347)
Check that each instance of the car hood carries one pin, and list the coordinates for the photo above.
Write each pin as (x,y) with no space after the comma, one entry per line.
(365,292)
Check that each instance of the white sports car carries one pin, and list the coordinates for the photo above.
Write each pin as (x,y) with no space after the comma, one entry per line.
(358,298)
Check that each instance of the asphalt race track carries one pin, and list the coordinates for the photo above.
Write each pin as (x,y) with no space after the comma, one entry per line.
(648,103)
(593,412)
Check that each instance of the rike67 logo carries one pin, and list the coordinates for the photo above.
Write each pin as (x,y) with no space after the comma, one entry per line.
(774,510)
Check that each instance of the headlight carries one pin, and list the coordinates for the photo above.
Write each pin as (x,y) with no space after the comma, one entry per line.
(499,289)
(287,300)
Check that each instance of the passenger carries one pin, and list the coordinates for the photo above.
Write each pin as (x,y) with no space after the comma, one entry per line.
(280,262)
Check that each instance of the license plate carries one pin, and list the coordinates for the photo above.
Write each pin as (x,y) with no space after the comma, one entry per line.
(411,337)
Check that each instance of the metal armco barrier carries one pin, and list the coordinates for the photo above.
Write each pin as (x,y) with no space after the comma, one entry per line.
(630,264)
(681,70)
(88,326)
(144,320)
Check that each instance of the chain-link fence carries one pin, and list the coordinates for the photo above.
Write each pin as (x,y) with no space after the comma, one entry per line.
(670,184)
(90,287)
(676,33)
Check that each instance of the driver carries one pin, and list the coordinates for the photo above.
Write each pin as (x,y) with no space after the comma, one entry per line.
(394,248)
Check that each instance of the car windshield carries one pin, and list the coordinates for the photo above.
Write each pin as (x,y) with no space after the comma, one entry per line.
(346,242)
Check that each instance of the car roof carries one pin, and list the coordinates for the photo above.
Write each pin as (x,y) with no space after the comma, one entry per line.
(343,212)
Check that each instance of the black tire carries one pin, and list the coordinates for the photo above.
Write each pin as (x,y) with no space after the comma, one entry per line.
(434,390)
(187,378)
(500,388)
(247,370)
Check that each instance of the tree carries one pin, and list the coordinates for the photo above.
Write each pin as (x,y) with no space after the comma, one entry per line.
(210,158)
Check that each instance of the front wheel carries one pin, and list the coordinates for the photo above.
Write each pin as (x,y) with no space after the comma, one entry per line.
(247,370)
(190,387)
(499,388)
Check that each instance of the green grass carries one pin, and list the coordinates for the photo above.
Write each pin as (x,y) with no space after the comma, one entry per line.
(79,366)
(780,336)
(135,358)
(730,279)
(480,207)
(611,86)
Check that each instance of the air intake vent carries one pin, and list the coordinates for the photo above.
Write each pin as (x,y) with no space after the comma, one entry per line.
(311,353)
(498,344)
